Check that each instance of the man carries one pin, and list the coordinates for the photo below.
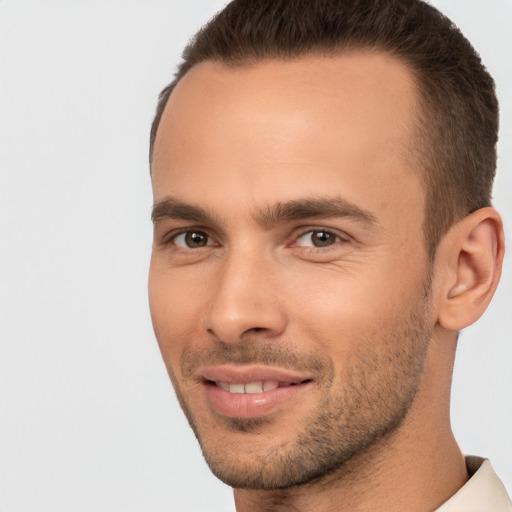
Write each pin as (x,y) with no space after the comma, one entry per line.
(323,230)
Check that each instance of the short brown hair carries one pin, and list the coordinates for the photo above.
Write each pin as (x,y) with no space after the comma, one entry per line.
(458,128)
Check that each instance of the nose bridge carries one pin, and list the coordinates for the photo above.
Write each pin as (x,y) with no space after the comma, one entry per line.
(244,299)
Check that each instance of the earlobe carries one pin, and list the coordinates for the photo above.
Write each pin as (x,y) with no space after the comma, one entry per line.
(474,256)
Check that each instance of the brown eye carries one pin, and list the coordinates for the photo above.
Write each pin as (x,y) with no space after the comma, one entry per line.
(317,238)
(192,240)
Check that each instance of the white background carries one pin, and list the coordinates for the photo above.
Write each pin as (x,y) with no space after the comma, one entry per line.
(88,419)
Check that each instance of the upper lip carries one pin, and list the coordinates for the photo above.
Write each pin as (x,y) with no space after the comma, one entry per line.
(232,374)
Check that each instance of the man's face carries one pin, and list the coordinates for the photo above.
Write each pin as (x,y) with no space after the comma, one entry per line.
(289,283)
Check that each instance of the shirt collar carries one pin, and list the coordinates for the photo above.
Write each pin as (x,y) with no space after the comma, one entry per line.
(483,491)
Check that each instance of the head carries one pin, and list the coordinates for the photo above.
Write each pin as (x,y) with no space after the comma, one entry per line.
(320,172)
(457,124)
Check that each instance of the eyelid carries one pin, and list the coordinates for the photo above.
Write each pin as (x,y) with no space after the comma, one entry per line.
(342,235)
(170,237)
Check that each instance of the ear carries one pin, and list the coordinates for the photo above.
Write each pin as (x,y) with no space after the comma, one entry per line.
(471,260)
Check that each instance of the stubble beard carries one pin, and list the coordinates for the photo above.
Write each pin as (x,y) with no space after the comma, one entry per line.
(370,405)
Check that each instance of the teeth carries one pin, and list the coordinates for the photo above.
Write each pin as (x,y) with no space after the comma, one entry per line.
(269,385)
(223,385)
(254,387)
(236,388)
(250,387)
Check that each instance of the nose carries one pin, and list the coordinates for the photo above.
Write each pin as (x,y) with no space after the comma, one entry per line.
(246,301)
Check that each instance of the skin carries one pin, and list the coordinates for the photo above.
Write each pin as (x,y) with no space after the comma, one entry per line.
(365,317)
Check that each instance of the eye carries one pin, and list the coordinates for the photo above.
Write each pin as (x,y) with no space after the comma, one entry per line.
(317,238)
(192,240)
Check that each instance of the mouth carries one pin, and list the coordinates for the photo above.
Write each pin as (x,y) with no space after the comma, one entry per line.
(250,392)
(261,386)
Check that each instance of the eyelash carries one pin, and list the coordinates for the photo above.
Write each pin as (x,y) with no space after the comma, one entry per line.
(339,238)
(171,238)
(310,231)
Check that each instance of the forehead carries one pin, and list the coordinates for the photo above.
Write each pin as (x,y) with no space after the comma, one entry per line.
(276,130)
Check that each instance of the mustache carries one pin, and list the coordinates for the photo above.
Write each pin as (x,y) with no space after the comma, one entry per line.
(256,353)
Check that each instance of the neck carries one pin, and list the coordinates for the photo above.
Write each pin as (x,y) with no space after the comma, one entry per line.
(421,481)
(416,467)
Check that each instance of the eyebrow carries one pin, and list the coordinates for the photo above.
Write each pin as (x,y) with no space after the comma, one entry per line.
(171,208)
(297,209)
(301,209)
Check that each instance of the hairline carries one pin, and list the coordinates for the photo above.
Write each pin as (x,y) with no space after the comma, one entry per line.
(254,60)
(418,147)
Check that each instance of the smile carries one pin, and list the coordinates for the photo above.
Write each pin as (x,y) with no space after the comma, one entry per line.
(252,391)
(253,387)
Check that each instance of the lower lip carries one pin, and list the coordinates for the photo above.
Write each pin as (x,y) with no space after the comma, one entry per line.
(251,405)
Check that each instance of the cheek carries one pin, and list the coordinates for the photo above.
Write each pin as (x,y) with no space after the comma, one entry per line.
(350,313)
(174,306)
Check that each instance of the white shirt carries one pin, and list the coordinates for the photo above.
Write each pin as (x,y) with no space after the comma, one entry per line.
(484,491)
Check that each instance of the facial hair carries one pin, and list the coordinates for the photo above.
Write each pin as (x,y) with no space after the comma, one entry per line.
(369,404)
